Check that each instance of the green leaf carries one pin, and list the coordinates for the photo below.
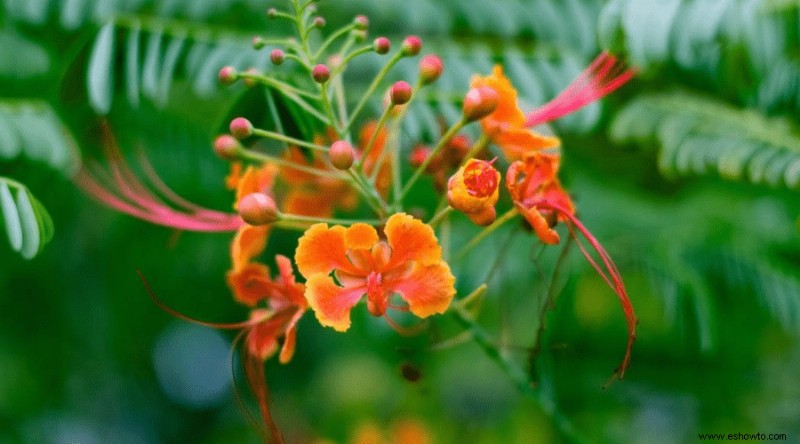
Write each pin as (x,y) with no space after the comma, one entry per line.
(100,77)
(10,217)
(28,225)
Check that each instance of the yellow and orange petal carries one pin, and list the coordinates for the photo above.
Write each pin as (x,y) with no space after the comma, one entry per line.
(250,284)
(428,289)
(322,249)
(411,240)
(249,242)
(330,302)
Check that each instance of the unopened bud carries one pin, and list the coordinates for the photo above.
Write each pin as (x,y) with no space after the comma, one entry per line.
(430,68)
(241,128)
(258,209)
(359,35)
(249,81)
(228,75)
(400,93)
(412,45)
(342,155)
(361,22)
(382,45)
(321,73)
(277,56)
(258,42)
(318,22)
(226,147)
(418,155)
(272,13)
(480,102)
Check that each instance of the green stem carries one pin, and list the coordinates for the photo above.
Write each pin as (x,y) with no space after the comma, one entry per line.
(326,105)
(439,216)
(516,373)
(277,84)
(266,158)
(374,137)
(371,89)
(332,38)
(290,140)
(442,142)
(508,215)
(373,199)
(326,220)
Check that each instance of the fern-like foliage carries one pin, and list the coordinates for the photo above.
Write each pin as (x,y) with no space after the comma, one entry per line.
(699,135)
(31,128)
(742,49)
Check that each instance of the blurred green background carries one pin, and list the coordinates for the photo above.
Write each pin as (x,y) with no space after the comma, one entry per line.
(688,175)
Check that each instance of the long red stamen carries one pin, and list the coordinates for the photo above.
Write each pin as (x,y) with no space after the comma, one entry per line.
(601,78)
(121,190)
(179,315)
(254,372)
(614,282)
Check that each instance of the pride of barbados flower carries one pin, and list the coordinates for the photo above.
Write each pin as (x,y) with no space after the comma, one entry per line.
(341,265)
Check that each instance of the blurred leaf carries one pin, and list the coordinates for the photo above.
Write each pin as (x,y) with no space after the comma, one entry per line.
(28,225)
(100,75)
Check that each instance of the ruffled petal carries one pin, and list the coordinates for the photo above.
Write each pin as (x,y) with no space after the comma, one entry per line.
(331,303)
(507,112)
(411,240)
(250,284)
(248,243)
(539,225)
(321,250)
(518,143)
(360,237)
(428,289)
(289,341)
(262,339)
(308,203)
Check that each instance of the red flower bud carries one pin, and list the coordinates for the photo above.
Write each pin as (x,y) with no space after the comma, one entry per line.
(400,93)
(321,73)
(342,155)
(241,128)
(258,209)
(412,45)
(228,75)
(382,45)
(277,56)
(430,68)
(480,102)
(226,147)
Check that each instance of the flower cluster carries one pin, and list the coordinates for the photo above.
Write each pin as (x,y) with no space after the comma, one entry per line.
(341,164)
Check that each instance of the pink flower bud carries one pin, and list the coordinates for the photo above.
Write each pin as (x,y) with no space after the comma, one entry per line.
(228,75)
(258,209)
(412,45)
(361,22)
(382,45)
(277,56)
(226,147)
(430,68)
(321,73)
(258,42)
(241,128)
(318,22)
(480,102)
(342,155)
(400,93)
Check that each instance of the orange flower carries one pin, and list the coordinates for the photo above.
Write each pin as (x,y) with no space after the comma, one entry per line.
(473,190)
(506,125)
(536,192)
(409,263)
(286,306)
(539,197)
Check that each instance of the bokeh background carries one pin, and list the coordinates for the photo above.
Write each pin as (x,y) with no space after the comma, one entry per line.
(688,175)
